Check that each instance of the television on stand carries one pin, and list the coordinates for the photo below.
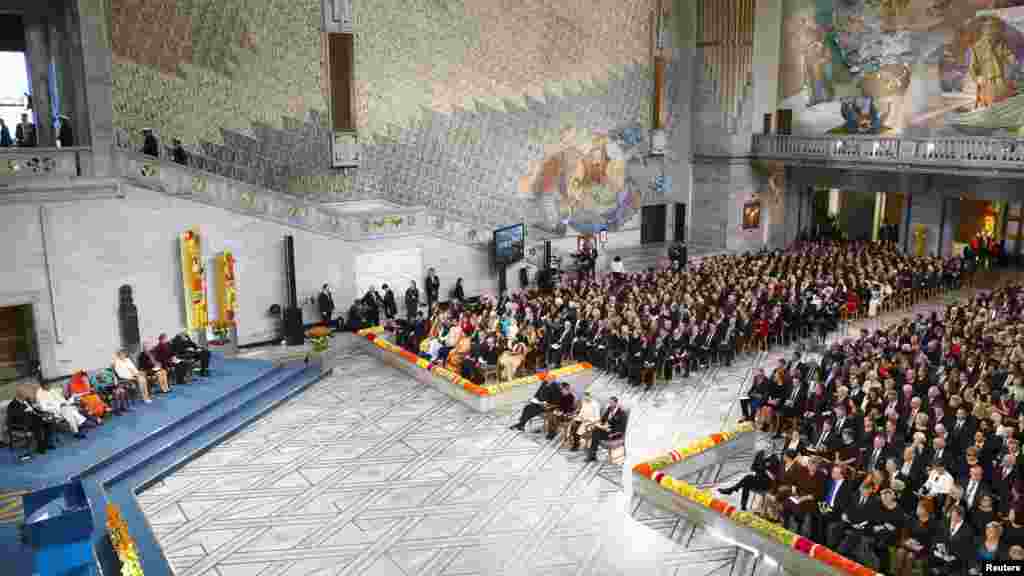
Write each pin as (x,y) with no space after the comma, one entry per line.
(509,248)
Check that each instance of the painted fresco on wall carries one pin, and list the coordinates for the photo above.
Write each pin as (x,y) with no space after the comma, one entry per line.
(582,179)
(903,66)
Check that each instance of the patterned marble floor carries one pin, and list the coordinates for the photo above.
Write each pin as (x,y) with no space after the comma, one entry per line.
(370,473)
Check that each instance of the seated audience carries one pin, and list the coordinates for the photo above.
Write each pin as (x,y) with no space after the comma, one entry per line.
(81,390)
(149,365)
(183,347)
(126,370)
(22,413)
(613,422)
(53,403)
(546,398)
(583,422)
(164,356)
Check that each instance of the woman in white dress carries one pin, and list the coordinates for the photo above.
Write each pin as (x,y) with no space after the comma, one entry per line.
(54,403)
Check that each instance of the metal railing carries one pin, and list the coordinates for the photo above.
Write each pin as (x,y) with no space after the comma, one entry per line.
(966,152)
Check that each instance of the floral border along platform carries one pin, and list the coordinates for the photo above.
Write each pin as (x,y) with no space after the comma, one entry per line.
(372,334)
(121,540)
(652,469)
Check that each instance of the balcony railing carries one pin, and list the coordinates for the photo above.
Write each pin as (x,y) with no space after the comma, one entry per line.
(965,152)
(17,164)
(245,198)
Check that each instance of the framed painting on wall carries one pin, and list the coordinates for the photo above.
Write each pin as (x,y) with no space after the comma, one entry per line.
(752,215)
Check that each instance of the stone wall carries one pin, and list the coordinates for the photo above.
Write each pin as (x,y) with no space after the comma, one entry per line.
(96,246)
(457,102)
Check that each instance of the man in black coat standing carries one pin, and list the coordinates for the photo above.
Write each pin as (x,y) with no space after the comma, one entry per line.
(412,300)
(390,306)
(433,288)
(326,304)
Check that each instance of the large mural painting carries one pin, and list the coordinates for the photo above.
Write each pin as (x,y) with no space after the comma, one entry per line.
(914,67)
(582,180)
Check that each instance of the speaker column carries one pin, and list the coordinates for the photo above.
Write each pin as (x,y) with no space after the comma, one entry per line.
(293,333)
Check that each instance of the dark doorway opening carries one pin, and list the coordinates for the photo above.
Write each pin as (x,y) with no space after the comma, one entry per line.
(18,349)
(652,226)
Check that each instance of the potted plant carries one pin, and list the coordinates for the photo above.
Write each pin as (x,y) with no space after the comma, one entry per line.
(222,331)
(319,336)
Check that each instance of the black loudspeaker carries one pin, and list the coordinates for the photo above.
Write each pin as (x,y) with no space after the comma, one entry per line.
(547,254)
(128,318)
(293,333)
(544,280)
(768,123)
(290,292)
(524,277)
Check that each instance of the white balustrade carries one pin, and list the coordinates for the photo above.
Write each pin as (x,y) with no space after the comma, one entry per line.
(971,152)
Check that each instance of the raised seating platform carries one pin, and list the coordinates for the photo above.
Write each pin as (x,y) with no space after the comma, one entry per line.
(155,439)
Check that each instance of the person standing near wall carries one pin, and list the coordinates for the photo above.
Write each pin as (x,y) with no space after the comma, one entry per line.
(433,288)
(412,300)
(5,135)
(390,306)
(25,133)
(326,304)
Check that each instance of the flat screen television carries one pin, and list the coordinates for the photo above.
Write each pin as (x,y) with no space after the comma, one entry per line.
(509,244)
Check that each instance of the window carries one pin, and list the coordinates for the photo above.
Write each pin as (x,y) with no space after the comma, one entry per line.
(13,102)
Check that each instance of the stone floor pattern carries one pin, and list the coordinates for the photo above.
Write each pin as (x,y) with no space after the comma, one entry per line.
(369,473)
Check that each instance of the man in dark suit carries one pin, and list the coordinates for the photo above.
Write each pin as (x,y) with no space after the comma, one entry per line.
(390,306)
(827,441)
(845,535)
(433,288)
(326,304)
(834,503)
(974,489)
(874,459)
(21,414)
(613,421)
(940,454)
(412,300)
(961,434)
(183,347)
(546,398)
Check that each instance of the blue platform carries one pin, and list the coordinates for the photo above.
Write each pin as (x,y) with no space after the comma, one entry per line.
(131,450)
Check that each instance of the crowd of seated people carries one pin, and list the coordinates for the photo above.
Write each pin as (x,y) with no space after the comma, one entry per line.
(42,408)
(903,446)
(661,323)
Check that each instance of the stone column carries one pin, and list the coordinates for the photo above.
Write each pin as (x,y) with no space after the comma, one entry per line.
(37,53)
(767,54)
(93,17)
(679,161)
(72,71)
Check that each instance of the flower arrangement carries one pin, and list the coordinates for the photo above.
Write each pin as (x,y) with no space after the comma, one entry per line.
(221,330)
(121,540)
(653,470)
(319,336)
(371,330)
(467,385)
